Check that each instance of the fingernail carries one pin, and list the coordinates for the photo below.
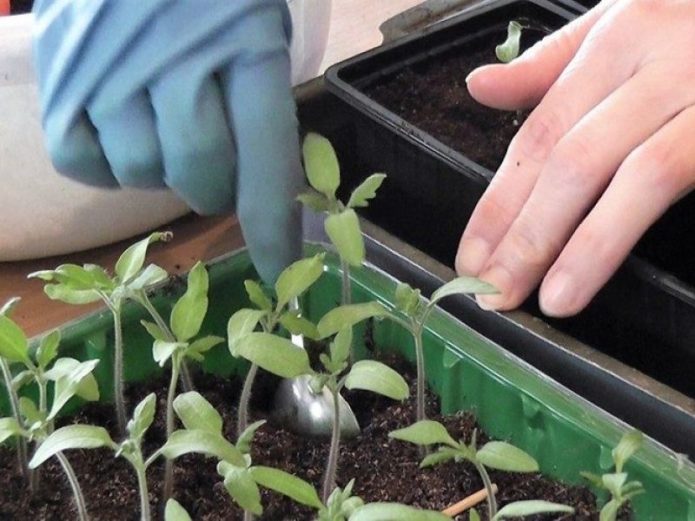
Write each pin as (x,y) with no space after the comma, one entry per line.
(501,279)
(472,256)
(557,294)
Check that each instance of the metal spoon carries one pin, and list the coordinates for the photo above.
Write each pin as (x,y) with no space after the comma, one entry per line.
(303,411)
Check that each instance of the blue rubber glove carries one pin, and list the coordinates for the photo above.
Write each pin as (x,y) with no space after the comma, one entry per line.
(194,95)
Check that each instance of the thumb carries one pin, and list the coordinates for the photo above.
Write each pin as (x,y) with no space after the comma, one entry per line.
(523,82)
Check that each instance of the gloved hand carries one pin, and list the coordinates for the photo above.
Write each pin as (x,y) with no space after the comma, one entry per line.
(192,95)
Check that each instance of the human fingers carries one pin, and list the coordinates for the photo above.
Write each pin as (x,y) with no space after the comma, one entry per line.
(590,76)
(259,96)
(575,174)
(523,82)
(653,176)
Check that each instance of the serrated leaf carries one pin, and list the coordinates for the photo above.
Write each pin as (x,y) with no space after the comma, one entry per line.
(13,342)
(29,411)
(72,383)
(243,490)
(243,442)
(132,259)
(509,50)
(531,507)
(344,231)
(9,427)
(257,296)
(504,456)
(395,512)
(298,325)
(614,482)
(407,299)
(321,164)
(175,512)
(71,296)
(241,324)
(48,348)
(341,346)
(609,512)
(286,484)
(147,278)
(274,354)
(196,412)
(154,330)
(425,432)
(189,311)
(376,377)
(202,442)
(101,277)
(348,316)
(628,445)
(366,191)
(316,201)
(8,307)
(75,277)
(442,455)
(297,278)
(162,350)
(71,437)
(143,416)
(463,285)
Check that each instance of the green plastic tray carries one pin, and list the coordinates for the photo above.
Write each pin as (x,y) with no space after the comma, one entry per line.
(511,399)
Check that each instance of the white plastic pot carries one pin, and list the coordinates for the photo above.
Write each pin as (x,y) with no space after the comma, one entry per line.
(43,213)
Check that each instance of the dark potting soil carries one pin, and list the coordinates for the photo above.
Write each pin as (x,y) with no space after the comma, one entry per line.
(384,470)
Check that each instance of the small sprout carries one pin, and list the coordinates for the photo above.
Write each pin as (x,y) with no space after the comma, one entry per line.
(175,512)
(621,490)
(509,50)
(497,455)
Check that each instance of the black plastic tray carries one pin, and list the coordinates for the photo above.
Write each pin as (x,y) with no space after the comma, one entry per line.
(644,316)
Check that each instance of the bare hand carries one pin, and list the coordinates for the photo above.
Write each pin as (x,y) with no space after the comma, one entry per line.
(608,148)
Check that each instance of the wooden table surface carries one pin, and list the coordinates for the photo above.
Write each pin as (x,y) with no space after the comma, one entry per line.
(354,29)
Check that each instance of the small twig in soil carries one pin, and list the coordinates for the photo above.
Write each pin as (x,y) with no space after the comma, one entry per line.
(468,502)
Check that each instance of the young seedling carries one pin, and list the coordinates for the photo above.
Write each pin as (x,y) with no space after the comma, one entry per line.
(291,360)
(90,283)
(342,224)
(412,313)
(620,489)
(92,437)
(494,454)
(175,512)
(179,345)
(35,423)
(509,49)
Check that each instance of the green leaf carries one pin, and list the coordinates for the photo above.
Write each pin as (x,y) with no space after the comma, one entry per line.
(202,442)
(48,348)
(163,350)
(147,278)
(316,201)
(463,285)
(175,512)
(425,432)
(609,512)
(298,325)
(71,437)
(287,484)
(614,482)
(132,260)
(243,489)
(189,312)
(21,379)
(321,164)
(628,445)
(9,427)
(30,412)
(407,299)
(395,512)
(442,455)
(274,354)
(257,296)
(366,191)
(143,416)
(241,324)
(473,515)
(376,377)
(509,50)
(101,277)
(196,412)
(203,345)
(341,346)
(71,296)
(594,479)
(504,456)
(531,507)
(9,306)
(243,442)
(13,342)
(297,278)
(348,316)
(344,231)
(72,378)
(75,277)
(154,330)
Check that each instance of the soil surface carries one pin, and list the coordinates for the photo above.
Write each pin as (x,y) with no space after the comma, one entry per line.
(384,470)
